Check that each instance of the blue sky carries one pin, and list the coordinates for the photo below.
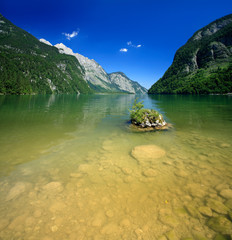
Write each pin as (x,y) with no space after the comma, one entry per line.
(99,29)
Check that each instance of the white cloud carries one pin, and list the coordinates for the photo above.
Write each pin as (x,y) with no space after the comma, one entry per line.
(134,46)
(69,36)
(123,50)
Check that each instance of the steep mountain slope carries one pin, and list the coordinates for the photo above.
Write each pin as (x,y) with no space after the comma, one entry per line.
(203,64)
(31,67)
(98,79)
(94,73)
(126,84)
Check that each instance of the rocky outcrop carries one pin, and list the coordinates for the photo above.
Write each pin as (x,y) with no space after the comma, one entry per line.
(146,118)
(212,28)
(94,74)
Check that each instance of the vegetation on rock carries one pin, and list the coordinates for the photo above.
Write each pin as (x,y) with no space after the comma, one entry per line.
(145,117)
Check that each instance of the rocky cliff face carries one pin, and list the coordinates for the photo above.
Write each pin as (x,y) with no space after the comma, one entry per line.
(125,84)
(202,57)
(97,77)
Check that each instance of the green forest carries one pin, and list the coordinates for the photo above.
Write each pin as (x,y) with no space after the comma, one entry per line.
(31,67)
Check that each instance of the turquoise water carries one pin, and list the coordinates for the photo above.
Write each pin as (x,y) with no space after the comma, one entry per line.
(69,170)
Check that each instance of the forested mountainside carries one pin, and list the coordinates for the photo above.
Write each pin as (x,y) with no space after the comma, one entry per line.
(31,67)
(203,65)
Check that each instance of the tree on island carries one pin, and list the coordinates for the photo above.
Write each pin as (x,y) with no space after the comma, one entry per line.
(146,118)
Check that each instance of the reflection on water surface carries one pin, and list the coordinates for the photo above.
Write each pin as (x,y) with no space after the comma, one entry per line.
(71,169)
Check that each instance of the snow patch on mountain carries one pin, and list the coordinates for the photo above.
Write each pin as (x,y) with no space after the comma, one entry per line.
(45,41)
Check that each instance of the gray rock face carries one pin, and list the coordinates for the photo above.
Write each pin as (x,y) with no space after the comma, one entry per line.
(211,29)
(125,84)
(97,77)
(218,49)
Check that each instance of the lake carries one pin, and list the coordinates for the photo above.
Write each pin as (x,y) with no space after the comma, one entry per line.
(67,168)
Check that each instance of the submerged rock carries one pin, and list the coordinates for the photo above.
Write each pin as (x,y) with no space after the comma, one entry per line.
(110,228)
(171,235)
(125,223)
(109,213)
(220,224)
(98,219)
(226,193)
(206,211)
(147,152)
(230,215)
(228,203)
(192,211)
(220,237)
(53,187)
(162,238)
(169,220)
(15,191)
(3,224)
(217,206)
(149,172)
(181,173)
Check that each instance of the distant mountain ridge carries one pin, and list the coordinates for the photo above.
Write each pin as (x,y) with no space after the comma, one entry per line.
(97,77)
(30,66)
(203,64)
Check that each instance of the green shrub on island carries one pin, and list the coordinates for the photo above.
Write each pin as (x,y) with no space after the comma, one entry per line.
(145,117)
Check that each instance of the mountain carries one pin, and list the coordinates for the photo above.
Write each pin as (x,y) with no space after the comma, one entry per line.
(203,64)
(29,66)
(125,84)
(97,77)
(32,66)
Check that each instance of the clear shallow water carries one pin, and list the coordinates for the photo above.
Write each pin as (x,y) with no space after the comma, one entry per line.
(67,170)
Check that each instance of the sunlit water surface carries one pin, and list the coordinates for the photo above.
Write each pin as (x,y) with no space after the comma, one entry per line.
(67,172)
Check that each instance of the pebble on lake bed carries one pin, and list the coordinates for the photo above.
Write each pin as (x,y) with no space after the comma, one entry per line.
(125,223)
(109,213)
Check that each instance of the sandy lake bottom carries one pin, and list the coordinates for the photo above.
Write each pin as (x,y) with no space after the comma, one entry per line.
(69,172)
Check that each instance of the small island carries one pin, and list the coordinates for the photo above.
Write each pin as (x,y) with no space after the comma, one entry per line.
(146,119)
